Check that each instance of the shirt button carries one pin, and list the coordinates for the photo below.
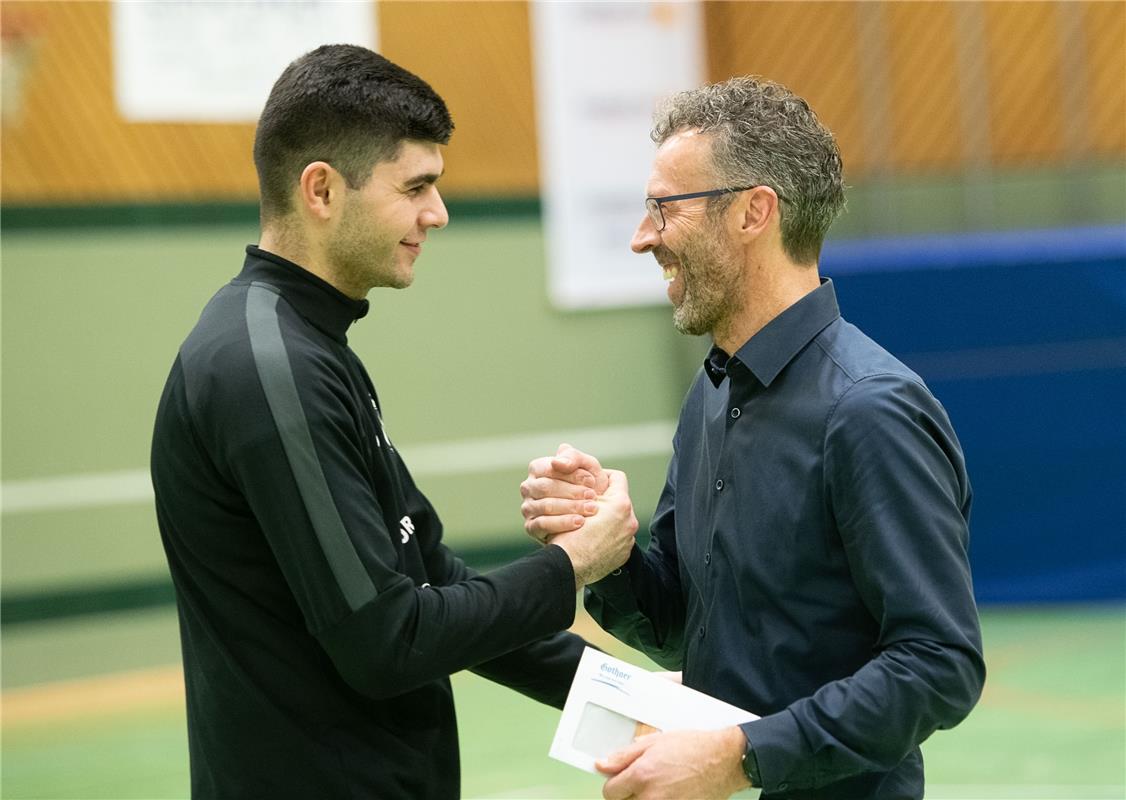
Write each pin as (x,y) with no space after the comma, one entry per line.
(701,631)
(707,558)
(719,485)
(735,413)
(783,786)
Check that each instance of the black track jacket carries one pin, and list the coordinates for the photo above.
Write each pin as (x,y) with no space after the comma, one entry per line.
(320,613)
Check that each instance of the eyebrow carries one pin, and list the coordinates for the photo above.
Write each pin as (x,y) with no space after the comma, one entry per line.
(429,177)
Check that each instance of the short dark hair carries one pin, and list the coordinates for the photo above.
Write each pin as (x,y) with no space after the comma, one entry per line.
(765,134)
(347,106)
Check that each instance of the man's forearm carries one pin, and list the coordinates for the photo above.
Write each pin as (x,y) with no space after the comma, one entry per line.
(637,607)
(869,722)
(542,670)
(409,635)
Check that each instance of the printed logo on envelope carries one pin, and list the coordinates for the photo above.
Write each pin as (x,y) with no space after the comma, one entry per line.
(613,677)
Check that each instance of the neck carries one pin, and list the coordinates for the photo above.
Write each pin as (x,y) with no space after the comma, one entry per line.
(294,246)
(770,286)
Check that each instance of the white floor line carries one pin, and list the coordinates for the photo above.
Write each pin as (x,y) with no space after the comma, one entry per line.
(1005,791)
(459,457)
(544,790)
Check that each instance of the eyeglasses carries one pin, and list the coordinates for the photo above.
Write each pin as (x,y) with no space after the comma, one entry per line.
(657,214)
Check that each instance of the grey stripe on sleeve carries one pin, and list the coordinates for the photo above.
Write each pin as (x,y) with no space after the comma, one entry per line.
(276,375)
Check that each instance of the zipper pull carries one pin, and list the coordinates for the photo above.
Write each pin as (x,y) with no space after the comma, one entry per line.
(378,434)
(382,430)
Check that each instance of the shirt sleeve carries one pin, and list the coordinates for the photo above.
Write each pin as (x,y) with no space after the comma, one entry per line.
(897,483)
(294,449)
(542,670)
(643,604)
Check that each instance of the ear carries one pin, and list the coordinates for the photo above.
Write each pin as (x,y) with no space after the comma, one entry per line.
(758,211)
(319,190)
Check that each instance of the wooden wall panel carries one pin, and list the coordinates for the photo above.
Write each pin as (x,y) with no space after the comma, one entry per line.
(925,101)
(895,109)
(477,55)
(1025,82)
(69,144)
(1104,32)
(809,47)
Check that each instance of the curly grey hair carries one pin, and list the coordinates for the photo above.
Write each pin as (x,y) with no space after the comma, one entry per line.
(764,134)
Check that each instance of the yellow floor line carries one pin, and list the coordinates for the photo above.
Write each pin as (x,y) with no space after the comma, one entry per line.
(105,694)
(124,692)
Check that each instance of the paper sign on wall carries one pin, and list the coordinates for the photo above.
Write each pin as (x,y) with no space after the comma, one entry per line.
(600,69)
(179,61)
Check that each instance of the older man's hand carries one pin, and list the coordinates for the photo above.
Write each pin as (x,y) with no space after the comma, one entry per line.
(676,765)
(560,492)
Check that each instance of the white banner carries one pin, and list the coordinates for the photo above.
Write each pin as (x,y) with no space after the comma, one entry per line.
(183,61)
(600,69)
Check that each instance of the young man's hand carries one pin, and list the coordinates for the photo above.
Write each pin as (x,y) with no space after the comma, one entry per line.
(604,541)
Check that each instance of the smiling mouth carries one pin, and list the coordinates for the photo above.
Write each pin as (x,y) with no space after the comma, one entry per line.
(670,267)
(668,262)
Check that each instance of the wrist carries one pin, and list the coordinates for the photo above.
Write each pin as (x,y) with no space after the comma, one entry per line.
(736,745)
(582,578)
(749,763)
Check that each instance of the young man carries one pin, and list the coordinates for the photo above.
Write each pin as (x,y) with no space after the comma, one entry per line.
(808,557)
(320,613)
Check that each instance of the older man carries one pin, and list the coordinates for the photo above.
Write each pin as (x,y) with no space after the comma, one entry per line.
(808,559)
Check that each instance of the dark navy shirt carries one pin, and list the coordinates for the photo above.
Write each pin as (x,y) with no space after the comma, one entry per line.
(808,559)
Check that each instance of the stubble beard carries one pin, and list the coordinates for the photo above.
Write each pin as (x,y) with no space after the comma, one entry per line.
(711,285)
(363,255)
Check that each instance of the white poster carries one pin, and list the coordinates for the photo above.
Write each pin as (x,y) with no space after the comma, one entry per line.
(203,61)
(600,69)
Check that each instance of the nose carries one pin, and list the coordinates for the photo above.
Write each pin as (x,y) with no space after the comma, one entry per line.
(434,215)
(646,237)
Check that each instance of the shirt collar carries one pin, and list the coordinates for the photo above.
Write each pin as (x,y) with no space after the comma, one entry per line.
(768,352)
(716,365)
(315,299)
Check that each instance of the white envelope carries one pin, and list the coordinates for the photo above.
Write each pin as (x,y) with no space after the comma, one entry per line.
(612,702)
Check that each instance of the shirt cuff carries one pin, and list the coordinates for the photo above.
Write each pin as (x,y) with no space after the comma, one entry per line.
(619,583)
(774,740)
(562,572)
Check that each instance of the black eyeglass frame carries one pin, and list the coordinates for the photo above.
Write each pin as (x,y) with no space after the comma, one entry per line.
(653,204)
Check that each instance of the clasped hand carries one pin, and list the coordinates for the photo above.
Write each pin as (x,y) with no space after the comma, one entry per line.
(571,502)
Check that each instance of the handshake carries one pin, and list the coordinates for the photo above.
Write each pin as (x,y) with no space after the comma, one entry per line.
(571,502)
